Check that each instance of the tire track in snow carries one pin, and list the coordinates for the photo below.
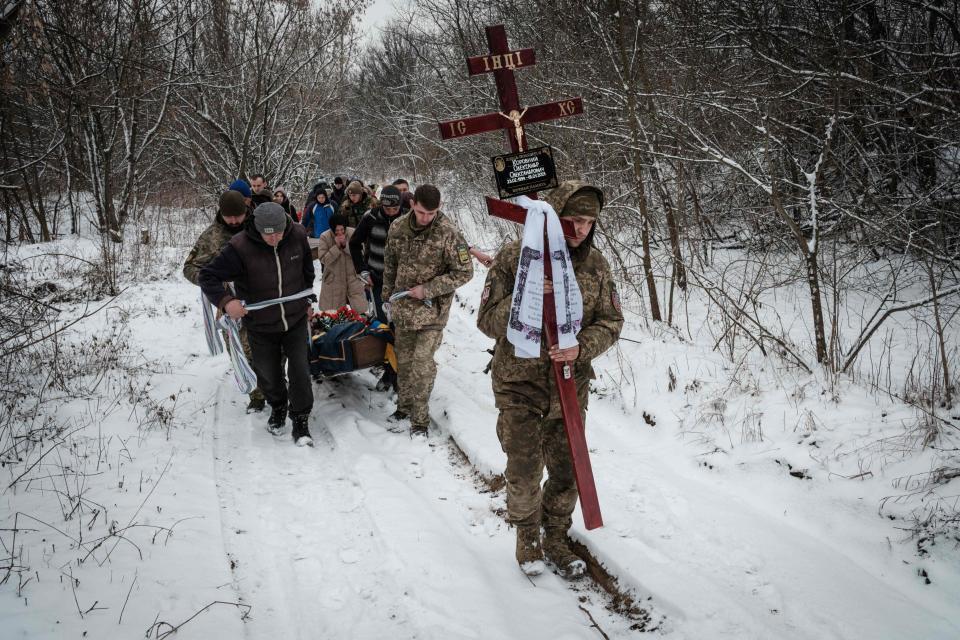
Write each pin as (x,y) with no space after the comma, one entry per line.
(355,396)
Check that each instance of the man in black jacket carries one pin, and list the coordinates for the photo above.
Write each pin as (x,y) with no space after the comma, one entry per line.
(369,241)
(367,246)
(270,259)
(339,193)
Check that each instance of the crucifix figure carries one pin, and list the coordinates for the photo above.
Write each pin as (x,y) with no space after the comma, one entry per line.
(501,62)
(516,118)
(511,118)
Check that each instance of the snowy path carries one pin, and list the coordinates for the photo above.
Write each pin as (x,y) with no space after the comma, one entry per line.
(373,535)
(380,535)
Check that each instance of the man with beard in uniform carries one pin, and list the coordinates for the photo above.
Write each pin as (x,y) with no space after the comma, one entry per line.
(230,219)
(530,424)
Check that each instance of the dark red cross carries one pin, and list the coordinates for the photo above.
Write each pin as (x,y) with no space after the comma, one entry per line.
(501,62)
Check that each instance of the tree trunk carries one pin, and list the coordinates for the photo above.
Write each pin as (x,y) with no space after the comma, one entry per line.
(947,386)
(813,282)
(631,89)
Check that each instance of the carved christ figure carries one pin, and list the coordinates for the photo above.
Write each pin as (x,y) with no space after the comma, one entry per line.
(516,117)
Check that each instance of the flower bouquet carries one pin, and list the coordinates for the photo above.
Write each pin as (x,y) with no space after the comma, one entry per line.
(322,322)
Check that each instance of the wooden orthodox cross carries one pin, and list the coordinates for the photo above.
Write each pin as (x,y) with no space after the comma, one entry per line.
(501,61)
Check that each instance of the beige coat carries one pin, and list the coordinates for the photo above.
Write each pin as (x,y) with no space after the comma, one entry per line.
(340,284)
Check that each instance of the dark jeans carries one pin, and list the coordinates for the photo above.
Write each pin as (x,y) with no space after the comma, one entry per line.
(378,297)
(268,350)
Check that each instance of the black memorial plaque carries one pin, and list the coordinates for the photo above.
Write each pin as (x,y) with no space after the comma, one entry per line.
(525,172)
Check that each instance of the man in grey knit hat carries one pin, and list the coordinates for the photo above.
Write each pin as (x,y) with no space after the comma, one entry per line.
(270,259)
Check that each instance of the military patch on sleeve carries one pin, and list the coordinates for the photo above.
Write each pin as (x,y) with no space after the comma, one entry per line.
(486,293)
(615,299)
(464,252)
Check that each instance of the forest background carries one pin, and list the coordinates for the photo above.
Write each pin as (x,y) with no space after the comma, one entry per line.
(746,149)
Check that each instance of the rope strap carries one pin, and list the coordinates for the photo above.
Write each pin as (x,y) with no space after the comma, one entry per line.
(242,373)
(210,327)
(306,293)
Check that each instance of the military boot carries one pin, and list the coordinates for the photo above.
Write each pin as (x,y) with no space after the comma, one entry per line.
(418,431)
(529,550)
(556,547)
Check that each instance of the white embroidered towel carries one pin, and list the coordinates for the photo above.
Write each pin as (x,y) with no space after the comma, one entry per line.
(526,309)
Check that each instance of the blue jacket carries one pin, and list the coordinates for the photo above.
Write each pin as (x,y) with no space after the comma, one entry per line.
(316,219)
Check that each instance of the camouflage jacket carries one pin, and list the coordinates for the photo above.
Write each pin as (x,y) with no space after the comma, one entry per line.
(437,257)
(354,212)
(206,248)
(602,318)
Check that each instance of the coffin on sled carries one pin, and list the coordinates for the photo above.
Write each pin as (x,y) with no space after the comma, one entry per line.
(349,346)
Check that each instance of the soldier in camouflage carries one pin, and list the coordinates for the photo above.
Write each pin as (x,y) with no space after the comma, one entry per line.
(230,218)
(530,424)
(427,256)
(356,202)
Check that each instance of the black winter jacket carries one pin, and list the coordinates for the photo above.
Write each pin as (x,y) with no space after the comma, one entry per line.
(369,242)
(261,272)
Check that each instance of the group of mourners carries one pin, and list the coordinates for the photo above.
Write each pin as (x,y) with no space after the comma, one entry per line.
(394,252)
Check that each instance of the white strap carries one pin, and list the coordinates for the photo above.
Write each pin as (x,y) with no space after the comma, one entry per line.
(242,373)
(210,327)
(269,303)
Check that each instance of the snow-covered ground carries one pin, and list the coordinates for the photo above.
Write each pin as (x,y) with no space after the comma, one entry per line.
(739,500)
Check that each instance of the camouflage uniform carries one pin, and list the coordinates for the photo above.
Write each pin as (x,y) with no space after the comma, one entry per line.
(207,248)
(438,258)
(354,212)
(530,425)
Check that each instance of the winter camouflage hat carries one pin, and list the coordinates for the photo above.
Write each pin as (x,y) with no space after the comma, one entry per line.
(576,198)
(269,217)
(355,187)
(232,204)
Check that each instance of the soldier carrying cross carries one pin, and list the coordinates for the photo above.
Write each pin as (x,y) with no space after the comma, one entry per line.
(541,385)
(530,425)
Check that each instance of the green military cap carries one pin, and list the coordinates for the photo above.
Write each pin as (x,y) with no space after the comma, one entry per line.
(576,198)
(585,202)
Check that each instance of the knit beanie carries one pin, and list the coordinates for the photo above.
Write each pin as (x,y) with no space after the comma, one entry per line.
(355,187)
(390,196)
(232,204)
(241,186)
(269,217)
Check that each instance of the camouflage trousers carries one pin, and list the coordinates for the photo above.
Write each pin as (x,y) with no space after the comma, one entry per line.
(416,371)
(256,394)
(533,441)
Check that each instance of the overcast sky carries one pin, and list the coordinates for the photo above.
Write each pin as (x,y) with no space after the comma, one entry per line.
(378,14)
